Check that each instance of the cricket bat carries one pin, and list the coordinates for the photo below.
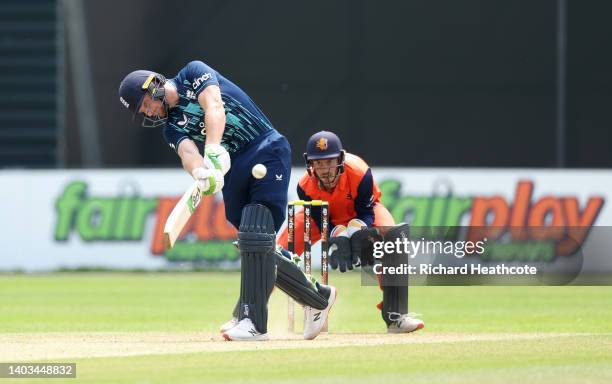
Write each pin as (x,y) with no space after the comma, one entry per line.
(180,214)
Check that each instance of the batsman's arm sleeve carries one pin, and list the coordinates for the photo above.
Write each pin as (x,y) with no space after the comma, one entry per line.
(200,76)
(315,212)
(173,137)
(364,202)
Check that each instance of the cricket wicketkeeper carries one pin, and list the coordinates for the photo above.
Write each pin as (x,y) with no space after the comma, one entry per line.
(200,106)
(355,211)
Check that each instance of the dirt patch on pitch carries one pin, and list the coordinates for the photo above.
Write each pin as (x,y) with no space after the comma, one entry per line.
(18,347)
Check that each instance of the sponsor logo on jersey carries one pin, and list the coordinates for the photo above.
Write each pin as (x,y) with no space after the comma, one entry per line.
(125,103)
(191,94)
(199,80)
(183,122)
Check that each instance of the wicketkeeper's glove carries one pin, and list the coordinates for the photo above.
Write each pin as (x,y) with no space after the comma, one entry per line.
(340,254)
(362,245)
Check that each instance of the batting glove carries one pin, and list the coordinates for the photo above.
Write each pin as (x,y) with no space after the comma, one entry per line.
(217,157)
(210,181)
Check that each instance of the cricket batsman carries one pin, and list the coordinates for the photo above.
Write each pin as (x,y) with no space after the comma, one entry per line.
(355,213)
(201,107)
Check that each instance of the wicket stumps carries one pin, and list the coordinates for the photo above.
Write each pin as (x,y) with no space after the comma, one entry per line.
(307,257)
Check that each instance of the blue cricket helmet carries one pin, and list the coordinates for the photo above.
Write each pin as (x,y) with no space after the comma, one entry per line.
(323,145)
(135,86)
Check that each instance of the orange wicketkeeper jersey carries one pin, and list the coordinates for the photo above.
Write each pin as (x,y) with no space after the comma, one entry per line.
(353,197)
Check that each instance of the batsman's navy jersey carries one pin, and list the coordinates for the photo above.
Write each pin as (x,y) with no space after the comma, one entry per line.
(249,138)
(244,120)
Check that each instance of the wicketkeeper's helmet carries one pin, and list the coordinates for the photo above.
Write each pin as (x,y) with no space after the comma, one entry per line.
(324,145)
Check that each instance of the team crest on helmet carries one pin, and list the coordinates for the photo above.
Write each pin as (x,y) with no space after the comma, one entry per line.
(322,144)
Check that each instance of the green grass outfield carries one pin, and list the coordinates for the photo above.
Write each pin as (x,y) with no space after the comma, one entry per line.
(472,334)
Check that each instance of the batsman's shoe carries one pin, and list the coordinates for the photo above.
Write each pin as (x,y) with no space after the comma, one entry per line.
(244,331)
(405,323)
(229,325)
(315,318)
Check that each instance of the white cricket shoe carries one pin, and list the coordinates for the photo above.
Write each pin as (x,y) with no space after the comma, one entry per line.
(405,323)
(244,331)
(315,318)
(229,325)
